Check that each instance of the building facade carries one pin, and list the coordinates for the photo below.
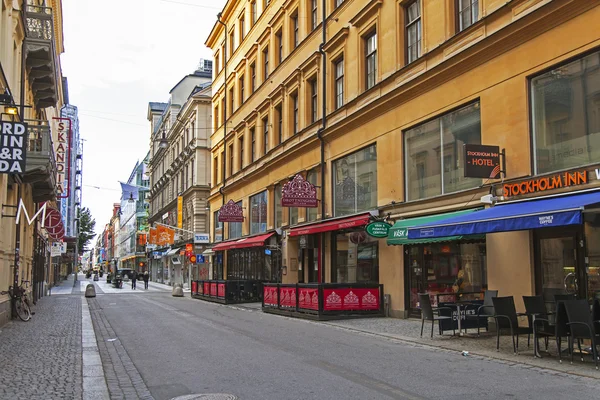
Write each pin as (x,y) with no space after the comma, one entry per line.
(134,220)
(31,41)
(179,174)
(376,114)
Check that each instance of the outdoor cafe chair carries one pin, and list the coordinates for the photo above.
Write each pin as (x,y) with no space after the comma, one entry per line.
(428,313)
(485,310)
(561,328)
(506,317)
(582,326)
(535,308)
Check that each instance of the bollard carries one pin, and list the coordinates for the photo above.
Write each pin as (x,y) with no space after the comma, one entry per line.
(90,290)
(177,290)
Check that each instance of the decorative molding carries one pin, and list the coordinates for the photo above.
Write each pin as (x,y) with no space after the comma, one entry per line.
(337,39)
(367,12)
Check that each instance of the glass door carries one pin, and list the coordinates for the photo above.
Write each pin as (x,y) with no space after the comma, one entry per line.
(592,256)
(413,260)
(558,269)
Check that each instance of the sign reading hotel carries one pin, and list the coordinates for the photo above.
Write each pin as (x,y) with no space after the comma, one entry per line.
(299,193)
(62,152)
(482,161)
(231,212)
(565,179)
(13,147)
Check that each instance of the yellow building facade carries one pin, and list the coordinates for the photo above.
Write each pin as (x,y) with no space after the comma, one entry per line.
(405,85)
(31,41)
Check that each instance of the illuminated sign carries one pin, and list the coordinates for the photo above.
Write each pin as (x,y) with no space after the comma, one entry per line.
(180,212)
(482,161)
(62,152)
(542,184)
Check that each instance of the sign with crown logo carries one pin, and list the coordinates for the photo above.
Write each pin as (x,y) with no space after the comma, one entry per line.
(231,212)
(299,193)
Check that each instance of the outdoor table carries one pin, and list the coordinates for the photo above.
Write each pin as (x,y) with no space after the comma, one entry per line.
(461,310)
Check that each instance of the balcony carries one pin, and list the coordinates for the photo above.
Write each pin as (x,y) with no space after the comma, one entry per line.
(40,163)
(40,55)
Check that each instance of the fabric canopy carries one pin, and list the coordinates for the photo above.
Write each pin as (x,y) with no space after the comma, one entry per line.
(331,225)
(399,232)
(523,215)
(172,252)
(252,241)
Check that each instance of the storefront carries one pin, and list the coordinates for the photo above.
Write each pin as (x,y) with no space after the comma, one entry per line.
(559,235)
(452,264)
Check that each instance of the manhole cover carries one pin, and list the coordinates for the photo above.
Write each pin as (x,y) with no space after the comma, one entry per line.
(207,396)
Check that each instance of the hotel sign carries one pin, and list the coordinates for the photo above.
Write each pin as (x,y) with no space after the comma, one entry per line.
(231,212)
(482,161)
(62,152)
(13,147)
(542,184)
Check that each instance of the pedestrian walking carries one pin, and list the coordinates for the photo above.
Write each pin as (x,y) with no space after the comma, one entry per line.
(133,278)
(146,278)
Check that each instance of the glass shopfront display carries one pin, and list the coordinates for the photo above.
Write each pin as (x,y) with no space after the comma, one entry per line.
(253,264)
(355,258)
(448,267)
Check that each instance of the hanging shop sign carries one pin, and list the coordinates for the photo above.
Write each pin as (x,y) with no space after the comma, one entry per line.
(62,154)
(180,212)
(231,212)
(153,236)
(200,238)
(545,183)
(166,235)
(13,147)
(189,247)
(378,229)
(299,193)
(482,161)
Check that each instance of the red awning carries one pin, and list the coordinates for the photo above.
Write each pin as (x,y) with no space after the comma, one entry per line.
(331,225)
(252,241)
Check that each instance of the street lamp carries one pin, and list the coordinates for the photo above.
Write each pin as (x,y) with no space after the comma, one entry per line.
(163,143)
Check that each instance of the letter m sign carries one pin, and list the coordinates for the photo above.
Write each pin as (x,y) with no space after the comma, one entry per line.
(21,207)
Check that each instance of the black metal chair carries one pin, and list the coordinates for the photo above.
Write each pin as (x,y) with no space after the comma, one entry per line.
(506,317)
(596,313)
(535,308)
(561,328)
(427,312)
(582,326)
(483,311)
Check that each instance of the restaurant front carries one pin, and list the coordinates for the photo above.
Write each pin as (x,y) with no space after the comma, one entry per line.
(542,235)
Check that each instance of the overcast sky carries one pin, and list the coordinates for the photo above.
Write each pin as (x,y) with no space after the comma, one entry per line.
(120,55)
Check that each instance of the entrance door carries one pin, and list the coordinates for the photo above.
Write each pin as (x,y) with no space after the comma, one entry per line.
(560,266)
(413,259)
(312,259)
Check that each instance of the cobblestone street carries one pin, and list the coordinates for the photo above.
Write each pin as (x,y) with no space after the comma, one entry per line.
(41,359)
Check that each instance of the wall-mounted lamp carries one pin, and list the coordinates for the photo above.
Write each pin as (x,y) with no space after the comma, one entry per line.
(11,110)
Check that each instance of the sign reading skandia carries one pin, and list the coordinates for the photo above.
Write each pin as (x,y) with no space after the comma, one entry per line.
(542,184)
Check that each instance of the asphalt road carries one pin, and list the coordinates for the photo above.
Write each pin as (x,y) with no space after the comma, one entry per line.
(179,346)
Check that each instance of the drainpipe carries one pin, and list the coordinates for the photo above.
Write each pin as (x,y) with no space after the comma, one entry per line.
(322,129)
(219,15)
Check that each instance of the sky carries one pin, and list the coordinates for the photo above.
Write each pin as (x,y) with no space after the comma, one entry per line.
(119,56)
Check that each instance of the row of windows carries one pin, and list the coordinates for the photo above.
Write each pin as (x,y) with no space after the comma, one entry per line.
(467,13)
(565,120)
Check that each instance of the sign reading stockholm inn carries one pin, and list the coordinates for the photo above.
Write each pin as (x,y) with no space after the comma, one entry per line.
(62,152)
(13,147)
(299,193)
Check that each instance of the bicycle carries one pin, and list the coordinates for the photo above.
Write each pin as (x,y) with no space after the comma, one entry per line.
(21,302)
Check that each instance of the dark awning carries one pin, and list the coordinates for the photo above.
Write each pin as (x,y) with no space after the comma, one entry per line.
(523,215)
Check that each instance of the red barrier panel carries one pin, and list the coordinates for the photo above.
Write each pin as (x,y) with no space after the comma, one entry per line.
(221,290)
(206,288)
(213,289)
(308,298)
(350,299)
(194,287)
(270,295)
(288,296)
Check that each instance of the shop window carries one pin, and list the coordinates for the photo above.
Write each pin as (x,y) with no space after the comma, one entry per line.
(293,215)
(566,115)
(355,182)
(434,153)
(258,213)
(356,258)
(218,265)
(235,228)
(278,209)
(451,267)
(218,228)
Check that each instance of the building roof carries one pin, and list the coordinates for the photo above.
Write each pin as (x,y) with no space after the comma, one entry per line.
(156,106)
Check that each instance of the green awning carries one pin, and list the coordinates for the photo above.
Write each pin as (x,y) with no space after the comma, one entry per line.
(399,232)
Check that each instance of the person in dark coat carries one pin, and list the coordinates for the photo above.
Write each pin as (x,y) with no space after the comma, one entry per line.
(146,278)
(133,279)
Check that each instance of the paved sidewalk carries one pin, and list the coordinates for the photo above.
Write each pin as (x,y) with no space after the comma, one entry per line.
(409,330)
(41,359)
(163,286)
